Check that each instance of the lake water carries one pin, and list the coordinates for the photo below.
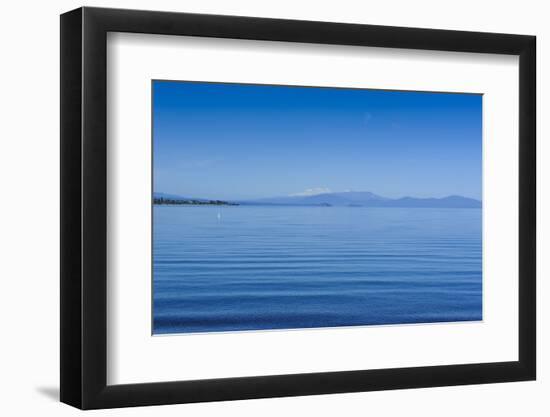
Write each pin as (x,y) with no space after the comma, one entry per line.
(229,268)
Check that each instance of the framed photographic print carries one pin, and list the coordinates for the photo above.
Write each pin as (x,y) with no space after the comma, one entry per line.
(258,208)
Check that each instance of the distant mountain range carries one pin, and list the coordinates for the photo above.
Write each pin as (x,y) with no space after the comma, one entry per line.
(350,199)
(368,199)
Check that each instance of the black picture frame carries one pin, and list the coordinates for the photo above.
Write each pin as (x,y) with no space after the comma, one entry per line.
(84,207)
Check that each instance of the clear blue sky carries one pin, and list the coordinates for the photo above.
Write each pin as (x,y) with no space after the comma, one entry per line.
(234,141)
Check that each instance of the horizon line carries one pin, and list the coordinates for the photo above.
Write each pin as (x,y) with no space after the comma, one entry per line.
(317,194)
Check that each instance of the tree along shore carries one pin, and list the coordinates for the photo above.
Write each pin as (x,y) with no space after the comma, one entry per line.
(169,201)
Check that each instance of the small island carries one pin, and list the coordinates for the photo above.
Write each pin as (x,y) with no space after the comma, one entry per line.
(170,201)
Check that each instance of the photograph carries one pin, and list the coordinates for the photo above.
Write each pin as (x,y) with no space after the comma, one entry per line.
(260,204)
(283,207)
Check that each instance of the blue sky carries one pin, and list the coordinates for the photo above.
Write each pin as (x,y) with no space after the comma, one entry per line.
(235,141)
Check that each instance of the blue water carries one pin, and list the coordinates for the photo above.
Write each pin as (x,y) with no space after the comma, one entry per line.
(234,268)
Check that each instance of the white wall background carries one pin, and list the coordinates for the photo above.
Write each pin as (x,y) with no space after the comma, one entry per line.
(29,225)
